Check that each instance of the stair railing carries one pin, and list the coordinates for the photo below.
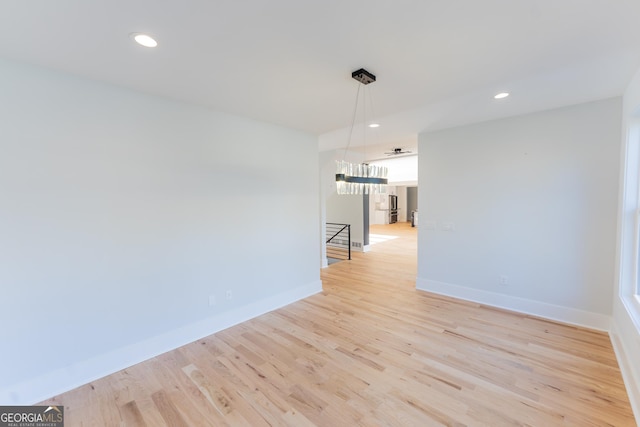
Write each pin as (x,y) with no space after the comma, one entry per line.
(338,239)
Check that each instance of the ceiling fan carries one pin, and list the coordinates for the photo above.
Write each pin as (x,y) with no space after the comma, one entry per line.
(396,151)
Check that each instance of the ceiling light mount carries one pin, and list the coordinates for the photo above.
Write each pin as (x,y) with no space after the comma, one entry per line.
(397,151)
(363,76)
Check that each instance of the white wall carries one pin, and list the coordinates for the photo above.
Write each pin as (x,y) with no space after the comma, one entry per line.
(120,214)
(402,170)
(625,329)
(532,198)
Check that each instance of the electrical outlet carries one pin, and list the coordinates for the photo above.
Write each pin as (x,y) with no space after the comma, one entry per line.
(229,294)
(448,226)
(212,300)
(503,280)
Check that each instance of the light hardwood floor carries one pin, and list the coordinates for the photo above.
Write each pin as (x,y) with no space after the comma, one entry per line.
(370,350)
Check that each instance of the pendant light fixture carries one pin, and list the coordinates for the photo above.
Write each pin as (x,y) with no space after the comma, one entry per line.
(363,178)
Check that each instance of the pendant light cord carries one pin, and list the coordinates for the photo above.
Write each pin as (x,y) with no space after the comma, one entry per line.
(353,122)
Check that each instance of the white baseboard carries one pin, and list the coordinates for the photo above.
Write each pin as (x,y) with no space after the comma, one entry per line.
(626,362)
(569,315)
(59,381)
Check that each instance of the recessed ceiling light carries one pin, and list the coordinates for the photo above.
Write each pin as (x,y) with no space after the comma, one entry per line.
(144,39)
(374,125)
(501,95)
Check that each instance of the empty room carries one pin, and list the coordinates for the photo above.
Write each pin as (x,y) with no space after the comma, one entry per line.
(320,213)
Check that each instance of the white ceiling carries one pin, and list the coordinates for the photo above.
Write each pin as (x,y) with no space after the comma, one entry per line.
(289,62)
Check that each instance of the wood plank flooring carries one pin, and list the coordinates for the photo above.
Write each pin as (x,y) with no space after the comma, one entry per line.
(370,350)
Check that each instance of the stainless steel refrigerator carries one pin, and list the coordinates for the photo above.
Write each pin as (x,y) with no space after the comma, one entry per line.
(393,209)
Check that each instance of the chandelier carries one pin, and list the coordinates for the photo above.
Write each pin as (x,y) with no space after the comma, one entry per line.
(363,178)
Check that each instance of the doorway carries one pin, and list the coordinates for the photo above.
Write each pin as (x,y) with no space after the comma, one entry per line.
(382,231)
(412,203)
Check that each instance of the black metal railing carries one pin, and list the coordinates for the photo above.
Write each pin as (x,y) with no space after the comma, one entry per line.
(338,240)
